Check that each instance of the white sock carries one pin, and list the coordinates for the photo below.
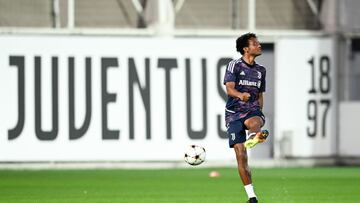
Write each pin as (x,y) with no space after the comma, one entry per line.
(250,190)
(251,134)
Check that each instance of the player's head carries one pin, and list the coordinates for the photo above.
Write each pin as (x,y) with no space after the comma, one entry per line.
(248,44)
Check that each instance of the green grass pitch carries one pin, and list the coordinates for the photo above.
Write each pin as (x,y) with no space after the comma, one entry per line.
(190,185)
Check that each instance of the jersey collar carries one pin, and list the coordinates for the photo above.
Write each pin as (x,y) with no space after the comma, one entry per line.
(250,66)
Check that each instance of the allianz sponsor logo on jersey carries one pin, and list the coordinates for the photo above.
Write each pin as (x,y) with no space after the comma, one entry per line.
(250,83)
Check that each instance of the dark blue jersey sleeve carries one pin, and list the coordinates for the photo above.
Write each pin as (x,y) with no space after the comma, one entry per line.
(230,72)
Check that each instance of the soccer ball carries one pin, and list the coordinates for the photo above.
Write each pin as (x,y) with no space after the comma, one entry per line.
(195,155)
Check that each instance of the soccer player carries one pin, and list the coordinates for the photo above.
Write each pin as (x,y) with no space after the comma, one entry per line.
(245,84)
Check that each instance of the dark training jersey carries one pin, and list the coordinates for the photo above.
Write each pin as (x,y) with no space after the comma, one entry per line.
(248,78)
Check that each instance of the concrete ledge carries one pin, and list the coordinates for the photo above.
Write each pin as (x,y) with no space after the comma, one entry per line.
(255,163)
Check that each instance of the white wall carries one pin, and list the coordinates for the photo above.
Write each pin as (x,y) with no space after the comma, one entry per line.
(305,97)
(116,61)
(165,138)
(349,123)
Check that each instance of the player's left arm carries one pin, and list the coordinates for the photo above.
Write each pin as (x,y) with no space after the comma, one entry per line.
(261,100)
(262,89)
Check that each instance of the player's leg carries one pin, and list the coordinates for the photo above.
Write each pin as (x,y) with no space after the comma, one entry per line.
(237,136)
(254,124)
(242,163)
(244,170)
(256,135)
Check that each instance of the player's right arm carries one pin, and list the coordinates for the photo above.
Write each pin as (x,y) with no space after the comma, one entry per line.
(231,71)
(232,92)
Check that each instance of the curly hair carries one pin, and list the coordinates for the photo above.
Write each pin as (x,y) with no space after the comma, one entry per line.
(243,41)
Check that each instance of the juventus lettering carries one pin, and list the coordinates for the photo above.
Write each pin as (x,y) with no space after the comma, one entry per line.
(164,67)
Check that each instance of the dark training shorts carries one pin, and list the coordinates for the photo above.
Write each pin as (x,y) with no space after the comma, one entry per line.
(236,129)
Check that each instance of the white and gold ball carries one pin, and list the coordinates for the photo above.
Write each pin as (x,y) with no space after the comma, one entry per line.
(195,155)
